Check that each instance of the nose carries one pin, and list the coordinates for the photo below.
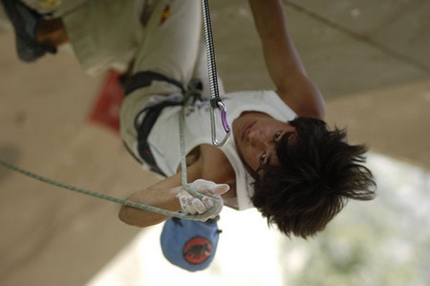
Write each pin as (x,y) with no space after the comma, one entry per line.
(257,138)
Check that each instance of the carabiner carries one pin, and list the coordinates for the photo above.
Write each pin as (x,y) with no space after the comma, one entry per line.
(224,123)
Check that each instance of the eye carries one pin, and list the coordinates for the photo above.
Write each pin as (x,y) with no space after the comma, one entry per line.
(262,158)
(277,135)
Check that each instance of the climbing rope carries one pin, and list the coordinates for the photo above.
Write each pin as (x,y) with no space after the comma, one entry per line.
(216,103)
(101,196)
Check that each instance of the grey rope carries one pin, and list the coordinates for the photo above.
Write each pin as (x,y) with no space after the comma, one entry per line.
(99,195)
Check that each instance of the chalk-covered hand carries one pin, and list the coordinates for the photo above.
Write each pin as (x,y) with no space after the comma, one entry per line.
(211,197)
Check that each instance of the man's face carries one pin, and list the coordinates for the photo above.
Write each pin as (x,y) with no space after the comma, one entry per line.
(255,134)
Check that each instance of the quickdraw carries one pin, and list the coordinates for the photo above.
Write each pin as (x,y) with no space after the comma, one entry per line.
(216,102)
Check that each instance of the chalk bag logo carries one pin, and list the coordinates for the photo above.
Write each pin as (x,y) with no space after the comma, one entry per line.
(197,250)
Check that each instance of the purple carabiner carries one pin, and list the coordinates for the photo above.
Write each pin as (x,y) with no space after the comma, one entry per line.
(224,125)
(224,120)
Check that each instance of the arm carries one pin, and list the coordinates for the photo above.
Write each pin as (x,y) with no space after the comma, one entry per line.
(164,194)
(283,62)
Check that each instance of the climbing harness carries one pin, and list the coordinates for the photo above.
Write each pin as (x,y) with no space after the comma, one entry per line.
(216,103)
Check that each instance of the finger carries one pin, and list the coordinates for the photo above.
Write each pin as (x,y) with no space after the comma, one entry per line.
(208,203)
(188,209)
(219,205)
(186,204)
(221,189)
(215,190)
(185,209)
(202,185)
(185,200)
(198,206)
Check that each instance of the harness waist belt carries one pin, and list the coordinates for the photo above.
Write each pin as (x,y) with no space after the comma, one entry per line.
(140,80)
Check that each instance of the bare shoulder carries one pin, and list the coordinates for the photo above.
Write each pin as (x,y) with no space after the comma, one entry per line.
(215,165)
(209,163)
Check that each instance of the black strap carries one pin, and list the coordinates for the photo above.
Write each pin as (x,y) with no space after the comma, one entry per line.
(145,128)
(144,78)
(140,80)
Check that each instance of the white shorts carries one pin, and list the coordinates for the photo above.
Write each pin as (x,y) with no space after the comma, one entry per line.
(110,33)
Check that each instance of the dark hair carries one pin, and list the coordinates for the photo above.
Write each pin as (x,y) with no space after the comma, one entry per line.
(317,172)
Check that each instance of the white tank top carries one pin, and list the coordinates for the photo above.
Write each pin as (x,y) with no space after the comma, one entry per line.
(164,137)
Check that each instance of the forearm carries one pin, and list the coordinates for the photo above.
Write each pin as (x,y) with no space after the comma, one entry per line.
(162,195)
(268,16)
(283,61)
(279,51)
(161,198)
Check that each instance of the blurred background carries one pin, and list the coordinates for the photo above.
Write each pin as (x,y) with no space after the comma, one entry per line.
(370,60)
